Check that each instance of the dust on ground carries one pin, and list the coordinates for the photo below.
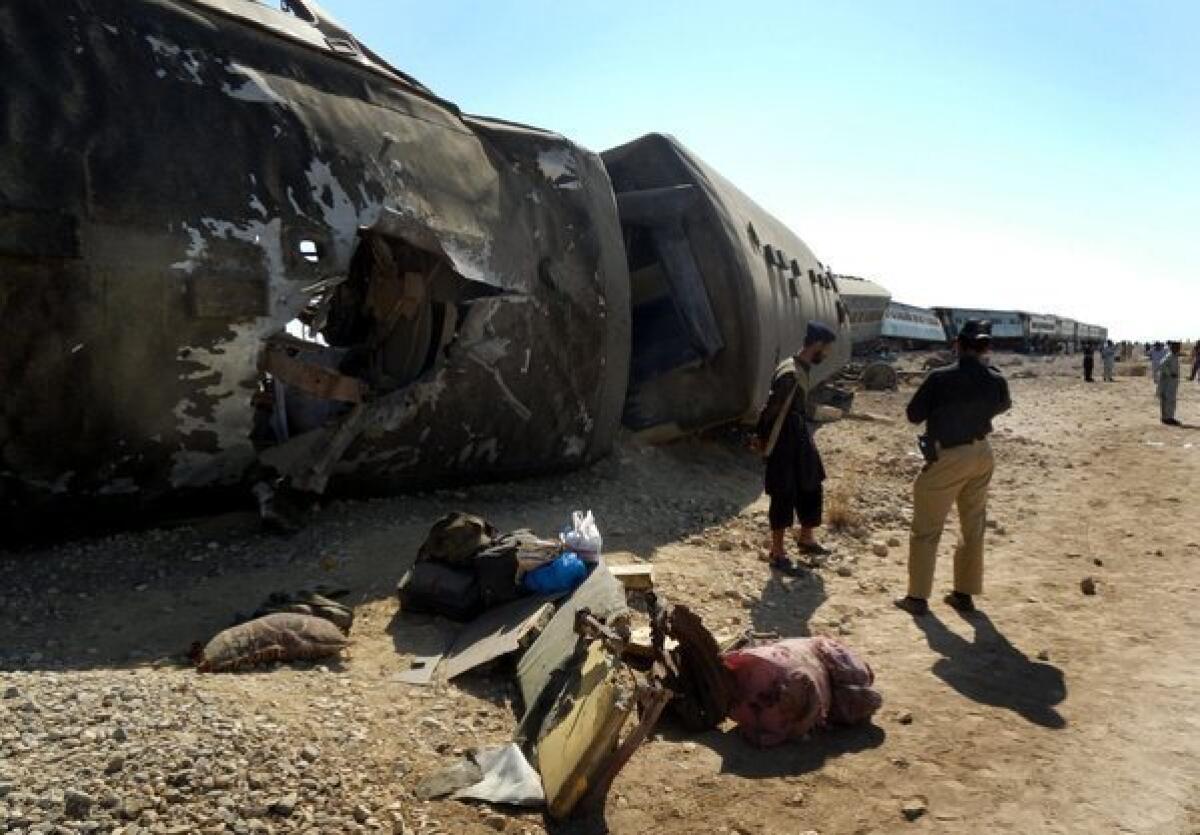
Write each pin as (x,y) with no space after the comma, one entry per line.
(1051,711)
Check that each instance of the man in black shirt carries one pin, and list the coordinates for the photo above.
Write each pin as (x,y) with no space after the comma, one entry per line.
(1089,362)
(794,470)
(957,405)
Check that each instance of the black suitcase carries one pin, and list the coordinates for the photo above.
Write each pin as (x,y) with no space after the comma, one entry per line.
(436,589)
(496,573)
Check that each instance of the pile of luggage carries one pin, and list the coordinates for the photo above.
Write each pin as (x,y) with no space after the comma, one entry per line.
(466,566)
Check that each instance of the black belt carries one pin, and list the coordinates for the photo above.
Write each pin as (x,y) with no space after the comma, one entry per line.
(963,443)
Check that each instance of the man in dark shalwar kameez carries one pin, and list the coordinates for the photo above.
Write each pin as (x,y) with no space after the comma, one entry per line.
(795,473)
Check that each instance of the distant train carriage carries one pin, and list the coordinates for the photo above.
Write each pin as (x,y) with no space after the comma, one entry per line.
(866,302)
(1040,330)
(1008,331)
(1096,335)
(906,327)
(1064,334)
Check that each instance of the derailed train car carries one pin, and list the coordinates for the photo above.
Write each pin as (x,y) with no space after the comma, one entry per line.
(190,188)
(906,327)
(721,291)
(267,257)
(866,303)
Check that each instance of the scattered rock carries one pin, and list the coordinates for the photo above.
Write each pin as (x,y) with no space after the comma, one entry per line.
(284,806)
(905,717)
(845,571)
(77,805)
(115,764)
(880,549)
(1098,561)
(893,542)
(880,376)
(1088,585)
(11,692)
(914,809)
(1044,655)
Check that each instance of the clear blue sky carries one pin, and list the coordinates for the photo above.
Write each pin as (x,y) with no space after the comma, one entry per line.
(1035,155)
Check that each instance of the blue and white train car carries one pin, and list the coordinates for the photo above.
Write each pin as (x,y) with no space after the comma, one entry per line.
(1008,329)
(906,327)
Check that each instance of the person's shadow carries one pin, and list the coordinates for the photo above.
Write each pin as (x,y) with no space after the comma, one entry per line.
(991,671)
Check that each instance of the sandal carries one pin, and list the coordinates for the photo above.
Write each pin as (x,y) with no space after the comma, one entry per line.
(784,564)
(813,548)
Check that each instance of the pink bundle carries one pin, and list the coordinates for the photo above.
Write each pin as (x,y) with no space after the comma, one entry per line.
(785,689)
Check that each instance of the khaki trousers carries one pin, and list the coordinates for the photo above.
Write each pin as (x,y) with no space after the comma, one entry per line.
(960,475)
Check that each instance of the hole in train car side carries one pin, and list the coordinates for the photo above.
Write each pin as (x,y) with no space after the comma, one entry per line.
(380,329)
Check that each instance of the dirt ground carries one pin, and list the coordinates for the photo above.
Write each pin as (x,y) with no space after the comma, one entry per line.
(1048,711)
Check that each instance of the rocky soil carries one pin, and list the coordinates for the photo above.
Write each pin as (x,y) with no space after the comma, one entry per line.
(1053,711)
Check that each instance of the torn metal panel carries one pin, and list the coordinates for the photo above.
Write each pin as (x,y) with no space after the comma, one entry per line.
(603,596)
(257,156)
(496,633)
(421,670)
(719,301)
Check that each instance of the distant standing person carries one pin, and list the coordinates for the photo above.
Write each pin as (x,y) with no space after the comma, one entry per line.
(1158,353)
(1089,362)
(795,473)
(1168,383)
(1195,360)
(957,405)
(1108,354)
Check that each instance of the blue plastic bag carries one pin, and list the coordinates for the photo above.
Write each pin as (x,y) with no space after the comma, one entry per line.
(560,576)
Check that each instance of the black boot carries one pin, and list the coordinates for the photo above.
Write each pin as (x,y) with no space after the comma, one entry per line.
(915,606)
(961,602)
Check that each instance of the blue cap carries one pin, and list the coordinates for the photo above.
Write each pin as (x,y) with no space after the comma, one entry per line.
(819,333)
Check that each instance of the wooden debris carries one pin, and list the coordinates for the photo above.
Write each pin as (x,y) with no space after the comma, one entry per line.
(576,748)
(634,577)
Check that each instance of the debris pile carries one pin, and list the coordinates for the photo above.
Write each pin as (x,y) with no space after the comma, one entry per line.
(599,655)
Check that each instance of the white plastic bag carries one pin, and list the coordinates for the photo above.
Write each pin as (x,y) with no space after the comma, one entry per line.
(584,537)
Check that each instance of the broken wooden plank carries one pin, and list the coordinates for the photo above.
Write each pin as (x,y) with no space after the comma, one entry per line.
(634,577)
(309,377)
(496,633)
(583,735)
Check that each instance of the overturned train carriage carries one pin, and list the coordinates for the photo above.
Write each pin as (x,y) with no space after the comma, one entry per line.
(236,247)
(230,240)
(721,291)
